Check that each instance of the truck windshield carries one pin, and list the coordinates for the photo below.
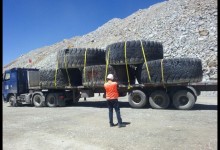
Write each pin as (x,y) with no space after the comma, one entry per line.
(7,76)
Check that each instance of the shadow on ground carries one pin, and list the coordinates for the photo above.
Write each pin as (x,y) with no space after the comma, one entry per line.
(103,104)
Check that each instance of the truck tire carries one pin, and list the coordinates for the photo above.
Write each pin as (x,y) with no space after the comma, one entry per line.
(122,76)
(137,99)
(184,100)
(176,70)
(51,100)
(159,99)
(95,75)
(12,101)
(74,57)
(38,100)
(47,78)
(153,50)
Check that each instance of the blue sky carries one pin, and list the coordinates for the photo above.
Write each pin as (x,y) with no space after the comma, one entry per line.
(32,24)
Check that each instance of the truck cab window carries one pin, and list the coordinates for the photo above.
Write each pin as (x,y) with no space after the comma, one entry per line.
(7,76)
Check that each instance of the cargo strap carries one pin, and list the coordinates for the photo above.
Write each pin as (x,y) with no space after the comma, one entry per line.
(145,61)
(126,64)
(84,69)
(66,69)
(107,64)
(162,75)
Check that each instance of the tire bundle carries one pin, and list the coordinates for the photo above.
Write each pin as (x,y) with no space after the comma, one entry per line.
(60,78)
(95,75)
(176,70)
(75,57)
(153,50)
(115,54)
(47,78)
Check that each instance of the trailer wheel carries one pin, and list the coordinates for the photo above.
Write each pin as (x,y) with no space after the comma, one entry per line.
(38,100)
(51,100)
(137,99)
(12,101)
(159,100)
(184,100)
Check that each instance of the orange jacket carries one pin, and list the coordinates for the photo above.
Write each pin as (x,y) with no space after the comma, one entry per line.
(111,89)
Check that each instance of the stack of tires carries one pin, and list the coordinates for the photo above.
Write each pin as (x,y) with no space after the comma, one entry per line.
(145,58)
(70,67)
(129,55)
(128,61)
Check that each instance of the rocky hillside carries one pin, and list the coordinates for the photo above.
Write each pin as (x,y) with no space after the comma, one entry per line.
(187,28)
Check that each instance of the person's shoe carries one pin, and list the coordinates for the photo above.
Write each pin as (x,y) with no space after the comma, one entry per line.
(121,125)
(112,125)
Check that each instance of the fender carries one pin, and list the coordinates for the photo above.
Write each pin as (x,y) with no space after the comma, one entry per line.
(196,92)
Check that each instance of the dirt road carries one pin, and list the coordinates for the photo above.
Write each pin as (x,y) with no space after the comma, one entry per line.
(85,127)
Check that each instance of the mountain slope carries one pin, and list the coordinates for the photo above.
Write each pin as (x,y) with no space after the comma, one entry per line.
(187,28)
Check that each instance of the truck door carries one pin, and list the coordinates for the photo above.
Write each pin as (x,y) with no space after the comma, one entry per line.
(9,83)
(22,82)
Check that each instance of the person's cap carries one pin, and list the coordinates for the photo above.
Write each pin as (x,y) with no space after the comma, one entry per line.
(110,76)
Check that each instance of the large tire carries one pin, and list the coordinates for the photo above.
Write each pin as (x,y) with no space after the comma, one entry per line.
(12,101)
(47,78)
(137,99)
(51,100)
(153,50)
(159,99)
(176,70)
(95,75)
(184,100)
(38,100)
(74,57)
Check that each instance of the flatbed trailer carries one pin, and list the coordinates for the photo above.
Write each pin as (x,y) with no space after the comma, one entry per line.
(21,86)
(160,96)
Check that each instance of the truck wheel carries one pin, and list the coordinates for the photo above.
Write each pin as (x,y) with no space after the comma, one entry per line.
(51,100)
(184,99)
(153,50)
(38,100)
(12,101)
(137,99)
(159,100)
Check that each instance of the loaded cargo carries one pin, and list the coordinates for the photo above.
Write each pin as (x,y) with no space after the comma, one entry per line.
(138,66)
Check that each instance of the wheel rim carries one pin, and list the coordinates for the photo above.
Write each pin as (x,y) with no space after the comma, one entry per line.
(159,100)
(37,100)
(136,98)
(183,100)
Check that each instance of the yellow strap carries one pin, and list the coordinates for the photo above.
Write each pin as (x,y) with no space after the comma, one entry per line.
(66,69)
(129,85)
(55,80)
(107,62)
(162,75)
(145,61)
(85,66)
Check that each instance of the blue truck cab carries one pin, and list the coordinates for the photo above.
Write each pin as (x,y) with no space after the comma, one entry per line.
(15,82)
(23,86)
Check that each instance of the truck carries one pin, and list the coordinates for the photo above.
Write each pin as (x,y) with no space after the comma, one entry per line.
(22,86)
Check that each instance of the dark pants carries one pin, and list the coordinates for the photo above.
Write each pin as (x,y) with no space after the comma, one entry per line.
(114,104)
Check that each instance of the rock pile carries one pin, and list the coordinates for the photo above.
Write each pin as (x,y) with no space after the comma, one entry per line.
(186,28)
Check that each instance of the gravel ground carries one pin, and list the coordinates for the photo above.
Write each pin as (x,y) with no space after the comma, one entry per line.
(85,127)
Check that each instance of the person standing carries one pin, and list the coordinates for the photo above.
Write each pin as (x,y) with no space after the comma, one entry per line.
(112,94)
